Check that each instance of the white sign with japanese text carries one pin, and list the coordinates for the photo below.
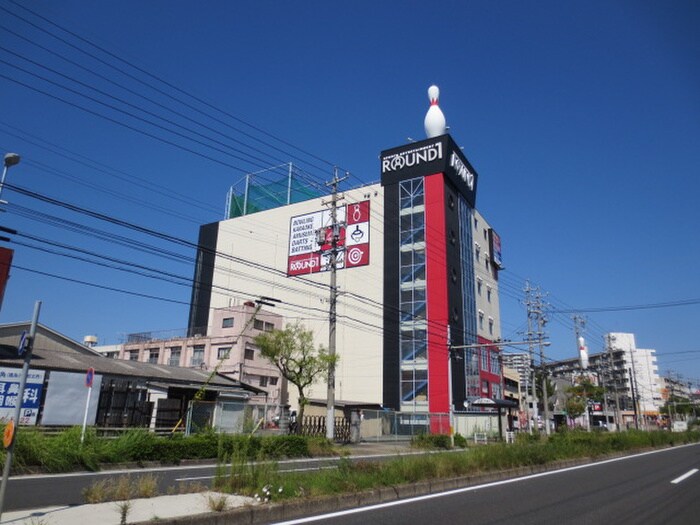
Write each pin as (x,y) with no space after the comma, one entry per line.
(9,394)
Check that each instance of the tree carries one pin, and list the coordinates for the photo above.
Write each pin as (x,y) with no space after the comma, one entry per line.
(580,394)
(292,351)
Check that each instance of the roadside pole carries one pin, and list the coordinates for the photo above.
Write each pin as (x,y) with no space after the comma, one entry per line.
(89,378)
(18,406)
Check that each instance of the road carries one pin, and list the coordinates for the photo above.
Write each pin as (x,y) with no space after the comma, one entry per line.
(659,487)
(42,490)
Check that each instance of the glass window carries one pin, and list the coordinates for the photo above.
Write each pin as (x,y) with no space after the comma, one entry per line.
(488,294)
(153,354)
(273,381)
(484,359)
(175,352)
(413,345)
(495,363)
(249,353)
(197,355)
(227,322)
(223,352)
(263,380)
(414,386)
(258,324)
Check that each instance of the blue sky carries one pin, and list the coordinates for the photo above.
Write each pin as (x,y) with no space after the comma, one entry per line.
(582,119)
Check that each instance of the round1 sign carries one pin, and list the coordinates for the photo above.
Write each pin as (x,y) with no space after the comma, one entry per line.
(89,377)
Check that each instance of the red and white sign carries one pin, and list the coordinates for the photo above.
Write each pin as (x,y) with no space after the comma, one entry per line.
(307,256)
(89,377)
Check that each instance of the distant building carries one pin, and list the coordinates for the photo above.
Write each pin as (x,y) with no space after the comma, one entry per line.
(629,375)
(124,394)
(226,344)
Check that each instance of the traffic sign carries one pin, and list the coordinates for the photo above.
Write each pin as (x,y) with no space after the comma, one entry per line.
(22,343)
(8,434)
(89,377)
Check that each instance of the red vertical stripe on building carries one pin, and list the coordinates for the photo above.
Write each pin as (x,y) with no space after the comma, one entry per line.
(437,304)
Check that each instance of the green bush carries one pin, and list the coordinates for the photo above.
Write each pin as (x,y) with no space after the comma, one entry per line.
(460,440)
(439,441)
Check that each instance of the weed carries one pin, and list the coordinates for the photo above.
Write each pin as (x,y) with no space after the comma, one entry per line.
(217,502)
(97,492)
(123,507)
(147,486)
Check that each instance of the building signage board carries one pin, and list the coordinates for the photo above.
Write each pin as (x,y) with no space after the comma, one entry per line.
(495,249)
(428,157)
(9,394)
(306,255)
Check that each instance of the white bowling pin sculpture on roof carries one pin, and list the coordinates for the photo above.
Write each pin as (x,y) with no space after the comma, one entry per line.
(435,124)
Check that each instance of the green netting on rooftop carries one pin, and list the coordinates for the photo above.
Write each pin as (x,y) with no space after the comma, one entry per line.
(268,190)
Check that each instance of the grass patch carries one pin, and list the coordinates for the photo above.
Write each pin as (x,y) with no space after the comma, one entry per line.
(63,452)
(361,476)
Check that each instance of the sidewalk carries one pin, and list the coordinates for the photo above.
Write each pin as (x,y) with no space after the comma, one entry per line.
(140,510)
(174,506)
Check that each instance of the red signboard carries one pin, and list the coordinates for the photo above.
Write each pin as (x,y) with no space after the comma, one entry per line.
(5,264)
(308,255)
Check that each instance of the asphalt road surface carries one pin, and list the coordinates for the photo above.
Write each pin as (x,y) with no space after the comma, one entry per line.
(42,490)
(660,487)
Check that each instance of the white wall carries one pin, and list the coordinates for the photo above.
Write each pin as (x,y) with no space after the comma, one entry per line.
(263,238)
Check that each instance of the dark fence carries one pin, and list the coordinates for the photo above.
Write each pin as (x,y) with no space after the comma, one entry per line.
(316,426)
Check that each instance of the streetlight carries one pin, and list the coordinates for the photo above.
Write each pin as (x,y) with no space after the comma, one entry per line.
(10,160)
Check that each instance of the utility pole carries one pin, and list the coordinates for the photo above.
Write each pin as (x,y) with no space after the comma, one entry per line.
(532,415)
(633,386)
(334,250)
(541,321)
(535,317)
(579,326)
(609,340)
(26,346)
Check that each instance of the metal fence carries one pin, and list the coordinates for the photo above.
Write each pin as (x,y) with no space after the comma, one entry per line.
(233,417)
(374,425)
(386,425)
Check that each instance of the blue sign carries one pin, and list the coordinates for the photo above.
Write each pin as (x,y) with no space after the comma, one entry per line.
(22,343)
(89,377)
(9,394)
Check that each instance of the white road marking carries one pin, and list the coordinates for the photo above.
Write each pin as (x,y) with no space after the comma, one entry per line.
(684,476)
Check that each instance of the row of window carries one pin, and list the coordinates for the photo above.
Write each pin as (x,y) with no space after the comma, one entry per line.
(479,286)
(222,352)
(481,323)
(258,324)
